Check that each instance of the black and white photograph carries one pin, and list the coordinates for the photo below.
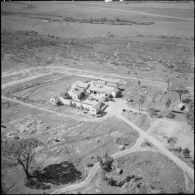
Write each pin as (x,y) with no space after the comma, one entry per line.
(97,97)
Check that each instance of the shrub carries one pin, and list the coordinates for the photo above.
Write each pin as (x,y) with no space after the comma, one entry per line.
(112,182)
(124,140)
(34,184)
(105,162)
(186,153)
(153,112)
(187,100)
(178,149)
(190,115)
(89,164)
(170,115)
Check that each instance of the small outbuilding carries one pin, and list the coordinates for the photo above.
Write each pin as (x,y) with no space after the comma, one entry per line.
(182,106)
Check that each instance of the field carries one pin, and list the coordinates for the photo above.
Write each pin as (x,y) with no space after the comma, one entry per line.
(47,46)
(150,171)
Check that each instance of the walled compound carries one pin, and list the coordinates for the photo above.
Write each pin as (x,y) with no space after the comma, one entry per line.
(89,96)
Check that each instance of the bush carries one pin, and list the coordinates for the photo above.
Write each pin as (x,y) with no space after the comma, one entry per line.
(190,115)
(89,164)
(159,115)
(105,162)
(187,100)
(186,153)
(34,184)
(123,140)
(178,149)
(170,115)
(153,112)
(112,182)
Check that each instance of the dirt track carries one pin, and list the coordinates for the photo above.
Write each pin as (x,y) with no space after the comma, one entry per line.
(141,13)
(93,171)
(135,148)
(161,148)
(84,73)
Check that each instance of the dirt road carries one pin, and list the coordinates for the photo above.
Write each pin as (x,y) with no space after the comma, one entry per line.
(135,148)
(92,74)
(139,12)
(161,148)
(85,73)
(23,80)
(37,107)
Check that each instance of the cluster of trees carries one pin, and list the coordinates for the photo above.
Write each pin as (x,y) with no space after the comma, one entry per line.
(190,114)
(172,86)
(175,86)
(105,162)
(180,89)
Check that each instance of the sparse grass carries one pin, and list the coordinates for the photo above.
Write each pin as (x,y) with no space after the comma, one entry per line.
(29,45)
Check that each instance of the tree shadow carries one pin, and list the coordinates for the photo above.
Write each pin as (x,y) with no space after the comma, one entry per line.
(62,173)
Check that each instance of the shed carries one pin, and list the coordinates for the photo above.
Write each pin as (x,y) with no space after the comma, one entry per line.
(181,106)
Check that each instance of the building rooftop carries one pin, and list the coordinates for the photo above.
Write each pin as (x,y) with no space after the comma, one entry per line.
(90,102)
(102,82)
(104,89)
(80,84)
(111,84)
(77,90)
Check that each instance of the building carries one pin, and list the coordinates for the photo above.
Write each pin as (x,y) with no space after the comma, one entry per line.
(54,100)
(104,88)
(80,84)
(89,96)
(77,93)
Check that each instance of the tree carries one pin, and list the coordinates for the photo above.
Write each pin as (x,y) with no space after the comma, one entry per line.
(180,89)
(186,153)
(105,162)
(142,99)
(190,114)
(21,152)
(172,141)
(168,103)
(169,79)
(139,84)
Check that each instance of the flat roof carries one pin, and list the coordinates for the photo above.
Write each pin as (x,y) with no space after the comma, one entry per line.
(90,102)
(102,90)
(100,82)
(111,84)
(77,90)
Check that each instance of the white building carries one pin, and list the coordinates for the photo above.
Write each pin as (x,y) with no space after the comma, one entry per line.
(54,100)
(103,87)
(89,96)
(77,93)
